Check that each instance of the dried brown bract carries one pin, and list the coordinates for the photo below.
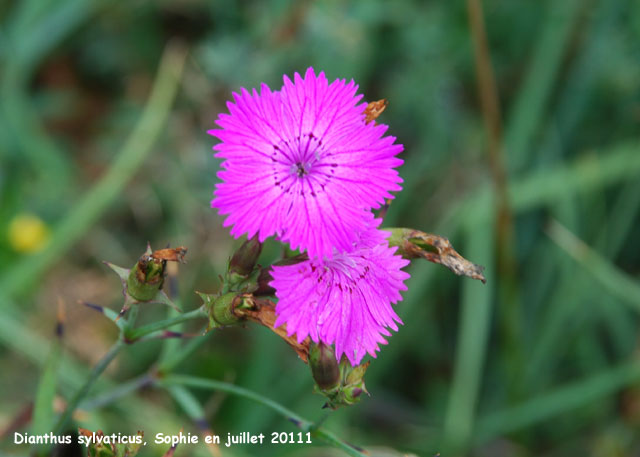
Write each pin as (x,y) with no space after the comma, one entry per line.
(375,109)
(264,313)
(170,254)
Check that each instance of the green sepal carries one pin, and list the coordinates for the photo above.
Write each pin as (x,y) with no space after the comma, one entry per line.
(222,308)
(123,273)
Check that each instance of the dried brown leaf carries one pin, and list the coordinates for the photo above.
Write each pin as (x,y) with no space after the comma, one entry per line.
(414,244)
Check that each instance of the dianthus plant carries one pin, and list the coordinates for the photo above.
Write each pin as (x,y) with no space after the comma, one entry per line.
(303,164)
(308,165)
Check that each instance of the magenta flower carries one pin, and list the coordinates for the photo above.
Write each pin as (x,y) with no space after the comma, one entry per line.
(302,164)
(345,300)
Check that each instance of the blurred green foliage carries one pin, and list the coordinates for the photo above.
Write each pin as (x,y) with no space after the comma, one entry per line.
(549,370)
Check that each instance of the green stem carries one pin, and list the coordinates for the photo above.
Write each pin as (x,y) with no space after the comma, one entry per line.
(193,381)
(80,394)
(168,364)
(121,390)
(131,320)
(301,423)
(135,334)
(471,347)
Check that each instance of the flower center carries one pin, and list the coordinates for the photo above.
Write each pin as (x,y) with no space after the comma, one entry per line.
(302,165)
(300,169)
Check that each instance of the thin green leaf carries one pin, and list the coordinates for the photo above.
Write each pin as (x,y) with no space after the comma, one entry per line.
(617,282)
(560,400)
(471,347)
(43,414)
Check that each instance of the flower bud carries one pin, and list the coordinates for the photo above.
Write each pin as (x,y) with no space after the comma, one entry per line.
(354,375)
(341,383)
(324,366)
(264,278)
(146,278)
(353,382)
(225,309)
(245,257)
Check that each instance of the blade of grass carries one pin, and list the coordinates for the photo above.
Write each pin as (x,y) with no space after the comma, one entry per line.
(561,319)
(43,414)
(528,110)
(97,199)
(618,283)
(36,33)
(471,346)
(509,319)
(29,44)
(563,311)
(620,220)
(576,92)
(563,316)
(617,163)
(564,399)
(584,73)
(566,314)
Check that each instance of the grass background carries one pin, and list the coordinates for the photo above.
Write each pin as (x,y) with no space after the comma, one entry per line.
(541,361)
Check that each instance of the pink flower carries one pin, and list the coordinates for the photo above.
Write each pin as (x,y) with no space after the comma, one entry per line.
(302,164)
(345,300)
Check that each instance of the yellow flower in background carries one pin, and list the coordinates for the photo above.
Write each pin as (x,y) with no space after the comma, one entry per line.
(27,233)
